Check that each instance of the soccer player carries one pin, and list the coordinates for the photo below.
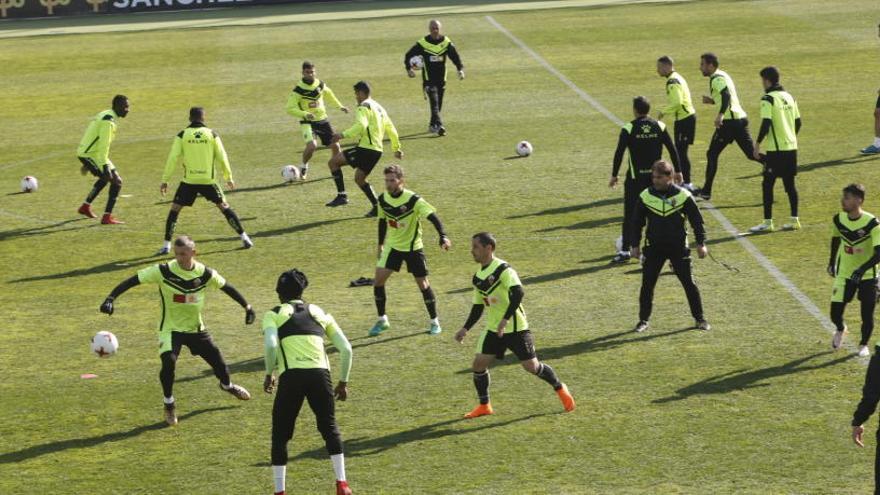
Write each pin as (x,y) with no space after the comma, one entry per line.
(400,239)
(94,154)
(306,102)
(866,407)
(645,138)
(294,342)
(183,284)
(201,150)
(371,124)
(665,206)
(680,107)
(434,48)
(781,122)
(731,123)
(855,252)
(497,286)
(874,148)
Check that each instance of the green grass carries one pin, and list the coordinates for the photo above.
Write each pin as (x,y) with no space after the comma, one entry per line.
(758,405)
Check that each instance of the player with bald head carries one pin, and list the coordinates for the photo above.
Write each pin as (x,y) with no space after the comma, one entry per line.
(433,50)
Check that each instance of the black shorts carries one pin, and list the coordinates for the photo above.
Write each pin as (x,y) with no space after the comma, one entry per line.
(781,164)
(686,129)
(187,193)
(362,158)
(322,130)
(520,343)
(416,263)
(198,343)
(92,167)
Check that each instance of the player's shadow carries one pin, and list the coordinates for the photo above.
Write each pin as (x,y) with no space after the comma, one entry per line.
(83,443)
(549,277)
(418,135)
(514,157)
(598,344)
(587,224)
(286,230)
(246,366)
(277,185)
(361,446)
(743,379)
(43,229)
(367,341)
(729,207)
(571,208)
(809,167)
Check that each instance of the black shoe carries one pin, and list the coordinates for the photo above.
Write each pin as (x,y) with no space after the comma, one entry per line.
(699,193)
(703,325)
(441,131)
(621,257)
(372,213)
(339,200)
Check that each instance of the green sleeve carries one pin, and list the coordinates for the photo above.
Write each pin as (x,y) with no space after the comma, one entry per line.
(674,97)
(361,122)
(105,136)
(478,298)
(173,159)
(270,344)
(718,85)
(293,106)
(217,281)
(334,333)
(510,278)
(331,97)
(423,208)
(835,232)
(875,236)
(766,109)
(392,134)
(220,156)
(149,275)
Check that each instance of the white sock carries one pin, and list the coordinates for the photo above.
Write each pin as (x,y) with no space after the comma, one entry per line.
(167,245)
(305,166)
(435,321)
(278,473)
(168,400)
(226,386)
(339,466)
(877,141)
(384,318)
(245,237)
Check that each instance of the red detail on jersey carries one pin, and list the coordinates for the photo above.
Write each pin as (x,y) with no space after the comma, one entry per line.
(848,249)
(179,298)
(486,301)
(394,224)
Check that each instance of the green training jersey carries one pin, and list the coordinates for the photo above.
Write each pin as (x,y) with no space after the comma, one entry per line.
(779,106)
(678,98)
(858,238)
(182,293)
(200,150)
(403,216)
(309,98)
(95,143)
(717,83)
(371,122)
(492,285)
(299,330)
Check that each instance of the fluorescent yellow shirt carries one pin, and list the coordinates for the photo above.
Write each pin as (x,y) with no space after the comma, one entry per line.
(200,149)
(371,122)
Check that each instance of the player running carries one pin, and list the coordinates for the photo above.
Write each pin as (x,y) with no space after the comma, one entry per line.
(94,155)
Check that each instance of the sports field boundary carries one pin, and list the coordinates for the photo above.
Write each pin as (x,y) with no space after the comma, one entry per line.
(750,247)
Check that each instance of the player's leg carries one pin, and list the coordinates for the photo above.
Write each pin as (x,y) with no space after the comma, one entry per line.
(367,160)
(111,175)
(868,301)
(874,148)
(89,167)
(768,182)
(389,262)
(319,393)
(288,402)
(311,145)
(169,350)
(417,265)
(337,161)
(434,105)
(684,137)
(788,181)
(488,347)
(214,194)
(683,268)
(720,139)
(441,129)
(744,139)
(201,344)
(630,198)
(523,345)
(651,268)
(841,293)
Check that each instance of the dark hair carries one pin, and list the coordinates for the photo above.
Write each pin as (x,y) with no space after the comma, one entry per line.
(397,170)
(308,65)
(771,74)
(662,167)
(185,241)
(196,114)
(119,100)
(363,87)
(666,59)
(710,58)
(857,190)
(485,239)
(291,284)
(641,105)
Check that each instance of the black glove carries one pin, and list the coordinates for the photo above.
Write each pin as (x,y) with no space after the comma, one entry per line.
(249,316)
(107,306)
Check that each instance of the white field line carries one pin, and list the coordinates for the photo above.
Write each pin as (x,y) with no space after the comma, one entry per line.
(768,265)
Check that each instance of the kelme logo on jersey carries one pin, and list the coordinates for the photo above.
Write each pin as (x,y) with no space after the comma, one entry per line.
(186,298)
(646,128)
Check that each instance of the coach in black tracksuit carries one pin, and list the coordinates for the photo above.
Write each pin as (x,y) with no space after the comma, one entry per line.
(434,48)
(645,138)
(866,407)
(664,206)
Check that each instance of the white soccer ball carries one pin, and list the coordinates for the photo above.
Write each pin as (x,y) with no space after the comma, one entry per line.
(524,148)
(416,62)
(29,184)
(104,344)
(290,173)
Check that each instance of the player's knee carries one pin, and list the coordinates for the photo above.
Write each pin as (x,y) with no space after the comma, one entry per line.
(223,205)
(423,283)
(176,207)
(877,113)
(531,366)
(169,361)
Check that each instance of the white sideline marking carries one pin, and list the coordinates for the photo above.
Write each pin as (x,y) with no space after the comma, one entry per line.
(768,265)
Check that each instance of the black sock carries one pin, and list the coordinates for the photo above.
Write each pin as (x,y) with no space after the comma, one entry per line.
(166,374)
(368,191)
(111,200)
(233,220)
(481,382)
(96,189)
(340,184)
(546,373)
(170,223)
(379,295)
(430,302)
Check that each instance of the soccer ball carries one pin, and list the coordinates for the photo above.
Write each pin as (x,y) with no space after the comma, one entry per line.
(29,184)
(290,173)
(524,148)
(104,344)
(416,62)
